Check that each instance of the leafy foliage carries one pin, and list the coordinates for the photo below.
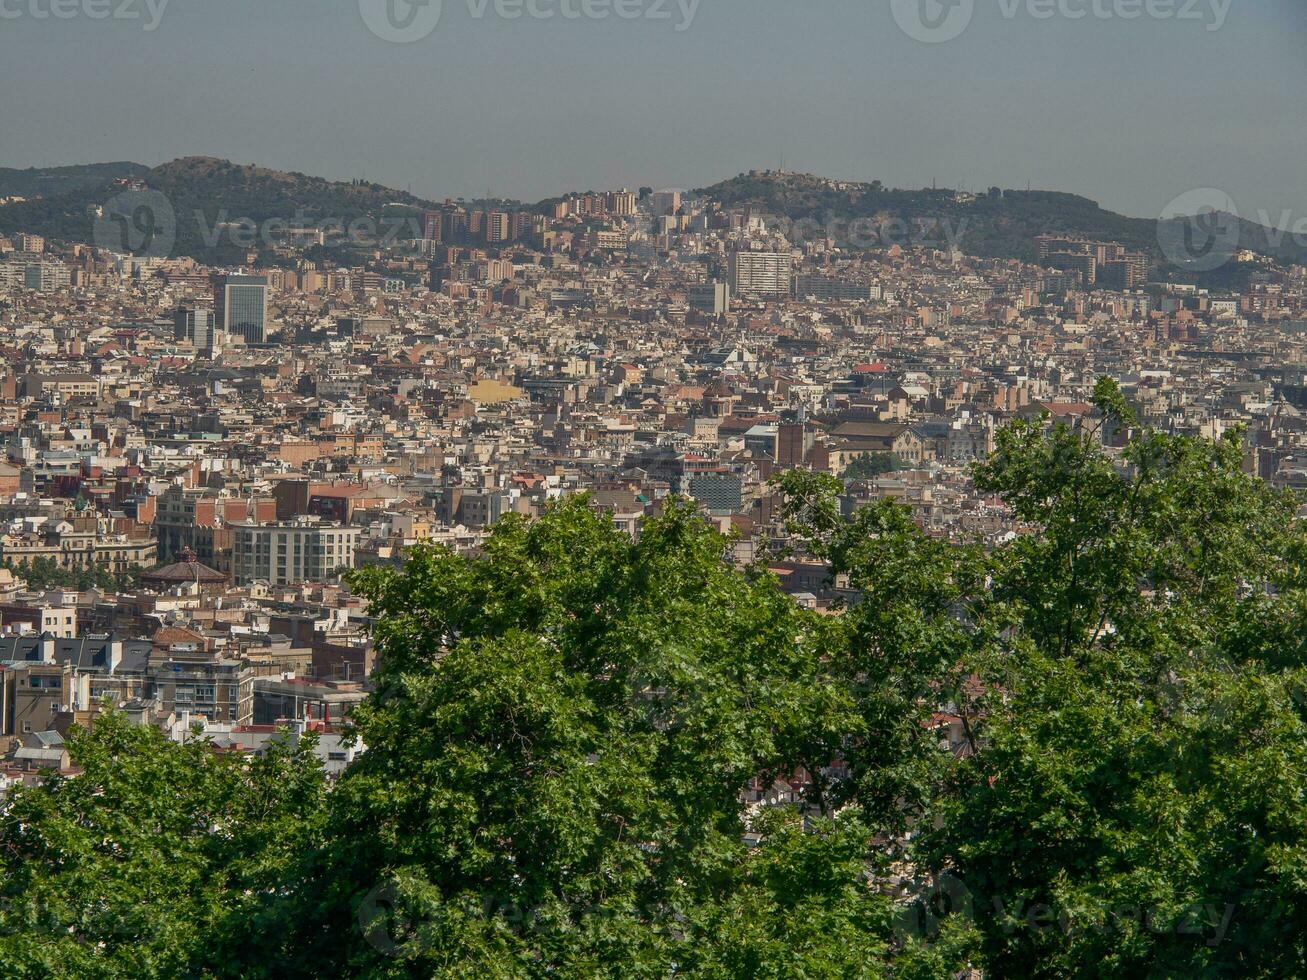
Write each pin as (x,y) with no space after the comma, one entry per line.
(1138,806)
(156,860)
(45,573)
(1000,224)
(871,466)
(585,712)
(35,182)
(206,193)
(1080,752)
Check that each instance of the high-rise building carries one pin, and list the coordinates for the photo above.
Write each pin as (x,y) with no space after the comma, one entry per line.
(497,227)
(828,288)
(665,202)
(453,224)
(713,298)
(621,203)
(1128,272)
(196,325)
(794,440)
(46,277)
(241,306)
(1085,263)
(719,493)
(763,274)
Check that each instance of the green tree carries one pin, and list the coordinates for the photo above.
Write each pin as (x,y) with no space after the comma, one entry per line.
(1087,746)
(872,465)
(900,653)
(1137,806)
(556,750)
(157,859)
(1128,677)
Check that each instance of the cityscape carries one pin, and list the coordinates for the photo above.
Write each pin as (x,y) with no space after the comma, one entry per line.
(790,576)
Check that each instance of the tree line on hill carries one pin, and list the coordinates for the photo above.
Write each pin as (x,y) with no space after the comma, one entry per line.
(1081,753)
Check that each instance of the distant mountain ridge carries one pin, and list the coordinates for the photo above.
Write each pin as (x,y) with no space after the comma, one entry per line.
(993,224)
(54,181)
(206,195)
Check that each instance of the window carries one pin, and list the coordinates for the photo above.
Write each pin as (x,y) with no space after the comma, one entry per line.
(336,756)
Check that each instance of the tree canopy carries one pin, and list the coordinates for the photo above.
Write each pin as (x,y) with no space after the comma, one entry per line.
(1080,751)
(872,465)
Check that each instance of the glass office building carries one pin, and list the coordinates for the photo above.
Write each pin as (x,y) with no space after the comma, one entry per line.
(242,306)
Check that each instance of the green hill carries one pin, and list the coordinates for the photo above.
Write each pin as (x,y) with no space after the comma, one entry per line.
(215,210)
(996,224)
(56,181)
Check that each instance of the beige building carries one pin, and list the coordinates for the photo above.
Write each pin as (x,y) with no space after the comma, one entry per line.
(289,552)
(74,548)
(64,385)
(31,694)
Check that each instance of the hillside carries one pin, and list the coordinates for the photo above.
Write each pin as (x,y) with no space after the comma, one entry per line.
(997,224)
(55,181)
(207,196)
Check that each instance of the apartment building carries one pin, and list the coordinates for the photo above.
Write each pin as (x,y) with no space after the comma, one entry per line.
(761,274)
(290,552)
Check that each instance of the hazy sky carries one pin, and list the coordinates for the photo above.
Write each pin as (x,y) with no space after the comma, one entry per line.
(1131,110)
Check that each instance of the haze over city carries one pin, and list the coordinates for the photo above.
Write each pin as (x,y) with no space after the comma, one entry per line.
(1126,109)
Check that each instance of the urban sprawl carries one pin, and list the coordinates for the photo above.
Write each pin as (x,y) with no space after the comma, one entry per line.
(194,456)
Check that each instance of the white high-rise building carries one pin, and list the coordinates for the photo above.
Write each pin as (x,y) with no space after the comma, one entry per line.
(762,274)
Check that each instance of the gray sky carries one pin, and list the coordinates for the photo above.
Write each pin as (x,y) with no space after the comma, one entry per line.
(1130,110)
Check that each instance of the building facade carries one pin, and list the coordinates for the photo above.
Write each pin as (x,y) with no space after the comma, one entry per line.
(241,306)
(290,552)
(761,274)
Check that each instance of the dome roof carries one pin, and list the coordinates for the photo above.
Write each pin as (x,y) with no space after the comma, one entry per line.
(186,571)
